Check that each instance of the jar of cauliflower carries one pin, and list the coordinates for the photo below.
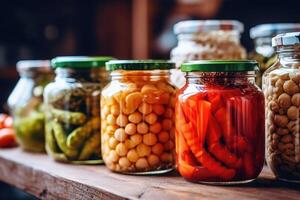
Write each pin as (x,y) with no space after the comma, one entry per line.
(206,40)
(137,117)
(282,93)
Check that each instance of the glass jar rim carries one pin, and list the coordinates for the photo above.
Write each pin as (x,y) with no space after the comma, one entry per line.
(41,66)
(271,30)
(286,39)
(139,65)
(220,66)
(80,61)
(194,26)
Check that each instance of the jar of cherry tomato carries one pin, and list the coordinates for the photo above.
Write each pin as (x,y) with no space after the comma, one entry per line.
(219,118)
(137,117)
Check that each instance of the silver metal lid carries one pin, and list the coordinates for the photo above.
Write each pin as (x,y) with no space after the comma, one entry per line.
(41,66)
(270,30)
(286,39)
(194,26)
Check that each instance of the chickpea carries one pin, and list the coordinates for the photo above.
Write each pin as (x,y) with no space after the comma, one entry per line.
(120,134)
(136,139)
(122,120)
(293,113)
(145,108)
(141,163)
(163,137)
(130,129)
(169,145)
(112,143)
(153,160)
(158,109)
(104,112)
(113,156)
(111,120)
(164,98)
(132,155)
(115,110)
(168,113)
(129,144)
(281,120)
(290,87)
(167,124)
(273,105)
(155,128)
(296,99)
(172,133)
(151,118)
(142,128)
(135,117)
(149,139)
(158,149)
(284,101)
(143,150)
(121,149)
(151,98)
(133,100)
(166,157)
(124,163)
(105,137)
(148,88)
(111,130)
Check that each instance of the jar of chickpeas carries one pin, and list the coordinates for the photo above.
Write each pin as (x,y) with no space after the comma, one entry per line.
(137,115)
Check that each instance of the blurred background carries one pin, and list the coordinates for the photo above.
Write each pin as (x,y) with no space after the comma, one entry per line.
(125,29)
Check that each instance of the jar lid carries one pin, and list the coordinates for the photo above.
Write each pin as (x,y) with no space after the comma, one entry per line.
(270,30)
(34,65)
(80,61)
(194,26)
(139,65)
(286,39)
(220,66)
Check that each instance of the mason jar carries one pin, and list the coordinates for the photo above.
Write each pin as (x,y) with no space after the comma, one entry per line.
(26,103)
(263,51)
(206,40)
(220,122)
(73,109)
(282,94)
(137,115)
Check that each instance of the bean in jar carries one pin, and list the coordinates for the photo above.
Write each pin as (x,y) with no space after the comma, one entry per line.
(219,118)
(205,40)
(26,103)
(73,109)
(137,115)
(282,94)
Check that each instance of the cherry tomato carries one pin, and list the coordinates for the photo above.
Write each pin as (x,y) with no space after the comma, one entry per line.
(7,138)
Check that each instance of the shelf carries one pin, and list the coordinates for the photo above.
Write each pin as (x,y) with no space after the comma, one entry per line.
(41,176)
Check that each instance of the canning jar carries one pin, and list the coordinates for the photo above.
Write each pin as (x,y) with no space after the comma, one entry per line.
(282,94)
(73,109)
(263,52)
(219,117)
(206,40)
(26,103)
(137,115)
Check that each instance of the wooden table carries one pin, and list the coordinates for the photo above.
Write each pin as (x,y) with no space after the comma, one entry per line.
(41,176)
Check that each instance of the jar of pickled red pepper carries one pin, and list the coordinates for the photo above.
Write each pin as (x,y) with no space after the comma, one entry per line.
(73,109)
(206,40)
(282,94)
(26,103)
(219,117)
(137,115)
(263,52)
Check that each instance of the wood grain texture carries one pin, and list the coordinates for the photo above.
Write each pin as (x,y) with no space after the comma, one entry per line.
(41,176)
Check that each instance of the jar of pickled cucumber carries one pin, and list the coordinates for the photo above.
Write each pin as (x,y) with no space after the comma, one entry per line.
(220,123)
(26,103)
(282,94)
(73,109)
(206,40)
(137,115)
(263,51)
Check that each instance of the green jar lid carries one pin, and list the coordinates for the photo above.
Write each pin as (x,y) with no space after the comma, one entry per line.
(220,66)
(139,65)
(80,61)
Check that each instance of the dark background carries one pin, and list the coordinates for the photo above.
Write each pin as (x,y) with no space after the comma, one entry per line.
(131,29)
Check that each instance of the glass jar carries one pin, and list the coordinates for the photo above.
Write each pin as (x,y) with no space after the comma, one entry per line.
(219,117)
(73,109)
(282,94)
(26,103)
(263,52)
(206,40)
(137,113)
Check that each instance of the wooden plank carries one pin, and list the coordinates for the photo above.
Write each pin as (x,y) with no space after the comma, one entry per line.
(46,179)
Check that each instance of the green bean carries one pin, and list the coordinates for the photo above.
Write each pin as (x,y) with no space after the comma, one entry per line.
(75,118)
(89,146)
(50,139)
(61,139)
